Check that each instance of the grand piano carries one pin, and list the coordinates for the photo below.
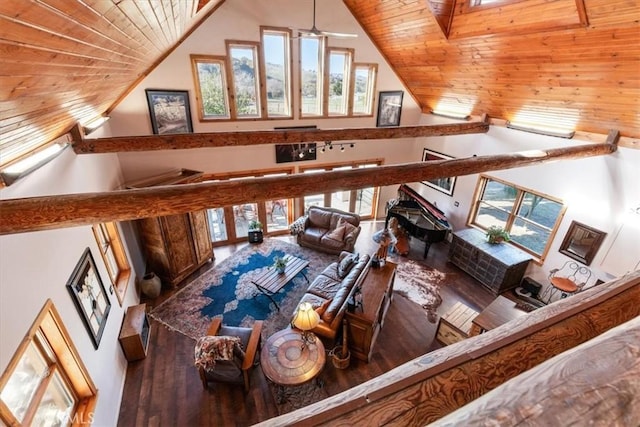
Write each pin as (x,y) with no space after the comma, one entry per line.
(418,217)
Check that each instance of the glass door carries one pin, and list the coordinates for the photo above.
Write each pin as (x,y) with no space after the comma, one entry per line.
(217,225)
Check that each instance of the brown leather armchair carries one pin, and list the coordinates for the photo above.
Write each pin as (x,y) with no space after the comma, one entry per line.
(237,368)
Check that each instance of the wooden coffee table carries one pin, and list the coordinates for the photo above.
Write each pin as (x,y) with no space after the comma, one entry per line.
(287,360)
(271,281)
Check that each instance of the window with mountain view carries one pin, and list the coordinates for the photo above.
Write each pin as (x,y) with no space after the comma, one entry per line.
(211,87)
(364,78)
(277,60)
(254,80)
(244,78)
(338,78)
(311,72)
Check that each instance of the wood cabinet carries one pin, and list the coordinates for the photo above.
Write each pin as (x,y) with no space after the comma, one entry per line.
(175,245)
(134,334)
(497,266)
(365,322)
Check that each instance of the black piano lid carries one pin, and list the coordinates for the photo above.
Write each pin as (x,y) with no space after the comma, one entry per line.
(436,213)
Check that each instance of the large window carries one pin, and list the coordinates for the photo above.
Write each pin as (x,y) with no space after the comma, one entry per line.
(338,81)
(245,77)
(211,87)
(254,80)
(311,72)
(45,383)
(276,59)
(230,224)
(530,218)
(114,256)
(362,201)
(364,87)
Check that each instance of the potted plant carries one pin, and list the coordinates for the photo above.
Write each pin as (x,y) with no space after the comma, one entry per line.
(255,231)
(279,264)
(497,234)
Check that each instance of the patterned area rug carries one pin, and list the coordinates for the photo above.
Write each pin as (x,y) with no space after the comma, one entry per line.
(226,290)
(420,284)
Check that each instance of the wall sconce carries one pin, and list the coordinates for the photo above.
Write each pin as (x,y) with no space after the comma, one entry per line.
(24,167)
(539,131)
(328,145)
(95,124)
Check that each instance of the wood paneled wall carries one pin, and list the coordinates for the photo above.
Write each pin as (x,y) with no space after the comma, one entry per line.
(555,73)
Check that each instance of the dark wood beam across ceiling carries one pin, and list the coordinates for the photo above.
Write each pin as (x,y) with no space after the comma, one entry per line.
(50,212)
(289,136)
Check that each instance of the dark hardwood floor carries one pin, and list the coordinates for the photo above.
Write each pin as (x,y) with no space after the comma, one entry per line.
(165,389)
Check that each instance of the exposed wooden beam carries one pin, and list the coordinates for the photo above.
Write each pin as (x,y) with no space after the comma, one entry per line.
(291,136)
(49,212)
(412,394)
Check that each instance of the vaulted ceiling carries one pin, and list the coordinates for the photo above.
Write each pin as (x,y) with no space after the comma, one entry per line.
(563,63)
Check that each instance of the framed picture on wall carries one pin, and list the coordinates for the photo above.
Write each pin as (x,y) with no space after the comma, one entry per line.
(446,184)
(582,242)
(169,111)
(389,108)
(89,296)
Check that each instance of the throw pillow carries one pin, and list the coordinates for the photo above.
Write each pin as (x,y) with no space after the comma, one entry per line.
(348,227)
(346,264)
(337,234)
(322,308)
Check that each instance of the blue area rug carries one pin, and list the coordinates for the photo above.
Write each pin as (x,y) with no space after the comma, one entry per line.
(226,290)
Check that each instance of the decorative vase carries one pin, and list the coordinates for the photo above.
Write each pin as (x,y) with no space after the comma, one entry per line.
(151,285)
(280,270)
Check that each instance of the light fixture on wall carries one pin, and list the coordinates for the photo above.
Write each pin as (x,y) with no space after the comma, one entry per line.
(95,124)
(328,145)
(24,167)
(541,131)
(450,114)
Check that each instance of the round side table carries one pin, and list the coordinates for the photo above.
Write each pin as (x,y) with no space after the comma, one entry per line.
(287,360)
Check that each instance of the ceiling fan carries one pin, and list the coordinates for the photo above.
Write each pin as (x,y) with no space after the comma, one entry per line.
(317,33)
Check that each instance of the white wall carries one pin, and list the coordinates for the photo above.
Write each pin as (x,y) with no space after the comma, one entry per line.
(36,266)
(598,191)
(240,20)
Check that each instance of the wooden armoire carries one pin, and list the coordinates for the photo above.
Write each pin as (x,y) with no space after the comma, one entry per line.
(175,245)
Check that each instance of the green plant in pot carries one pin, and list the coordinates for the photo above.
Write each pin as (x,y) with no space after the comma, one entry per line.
(279,264)
(255,225)
(497,234)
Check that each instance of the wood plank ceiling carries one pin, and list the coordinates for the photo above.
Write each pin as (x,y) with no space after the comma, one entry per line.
(69,61)
(558,63)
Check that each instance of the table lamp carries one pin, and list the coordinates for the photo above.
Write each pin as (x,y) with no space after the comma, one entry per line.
(306,318)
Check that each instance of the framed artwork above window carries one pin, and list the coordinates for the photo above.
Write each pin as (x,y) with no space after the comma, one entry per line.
(444,184)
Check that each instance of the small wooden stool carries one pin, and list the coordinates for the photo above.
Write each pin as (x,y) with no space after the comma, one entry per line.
(455,324)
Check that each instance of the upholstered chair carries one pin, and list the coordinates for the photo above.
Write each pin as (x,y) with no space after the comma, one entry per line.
(227,353)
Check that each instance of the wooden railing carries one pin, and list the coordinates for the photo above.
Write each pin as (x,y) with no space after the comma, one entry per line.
(440,382)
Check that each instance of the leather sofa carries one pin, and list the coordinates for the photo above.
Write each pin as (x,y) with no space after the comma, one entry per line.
(329,292)
(328,230)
